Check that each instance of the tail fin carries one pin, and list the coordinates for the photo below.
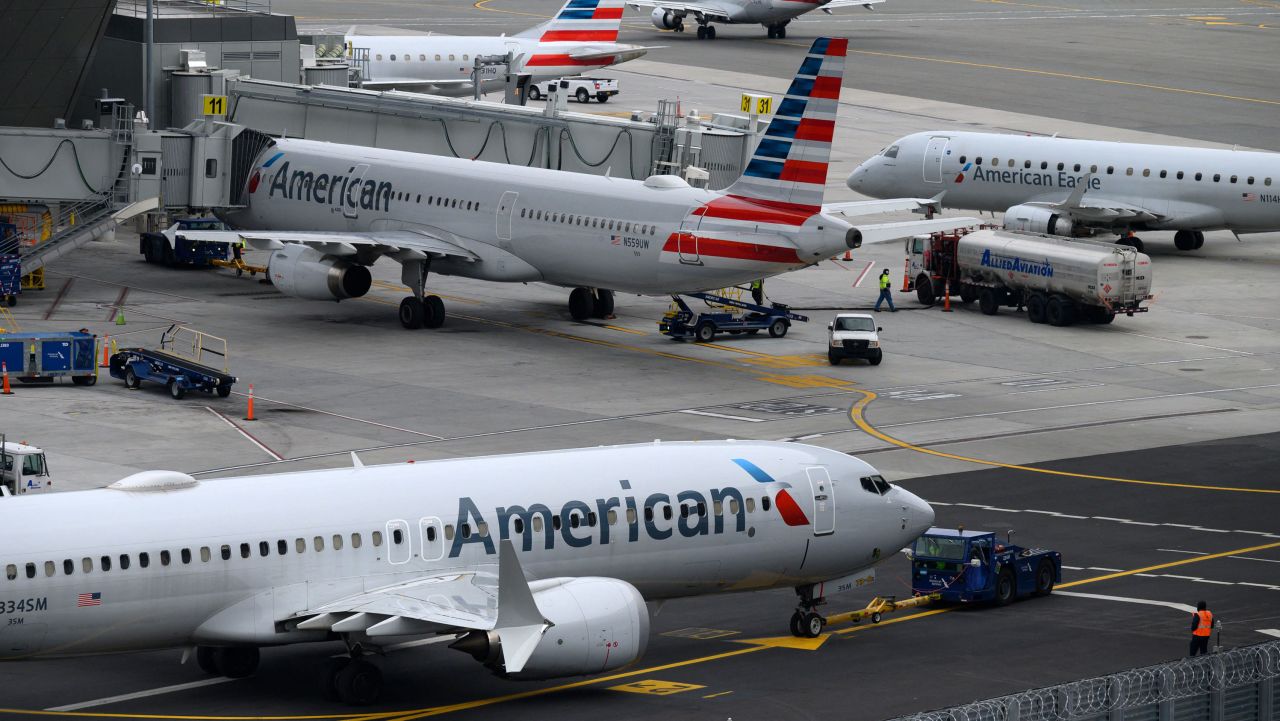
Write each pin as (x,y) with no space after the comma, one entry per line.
(789,167)
(581,21)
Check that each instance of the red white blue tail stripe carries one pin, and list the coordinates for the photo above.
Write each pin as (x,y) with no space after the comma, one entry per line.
(585,20)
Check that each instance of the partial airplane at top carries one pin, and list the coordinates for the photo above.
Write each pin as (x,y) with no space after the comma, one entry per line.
(1069,187)
(774,15)
(539,564)
(329,211)
(581,38)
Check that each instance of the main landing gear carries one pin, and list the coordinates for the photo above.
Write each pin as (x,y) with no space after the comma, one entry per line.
(806,622)
(350,679)
(419,310)
(1188,240)
(1131,240)
(777,30)
(587,303)
(706,31)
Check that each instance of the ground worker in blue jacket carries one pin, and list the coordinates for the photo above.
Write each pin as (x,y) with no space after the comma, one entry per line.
(885,292)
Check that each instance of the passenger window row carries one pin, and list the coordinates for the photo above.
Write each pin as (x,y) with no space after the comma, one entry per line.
(422,58)
(186,556)
(587,221)
(1111,169)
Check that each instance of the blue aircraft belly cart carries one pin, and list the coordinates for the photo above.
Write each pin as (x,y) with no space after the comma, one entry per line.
(46,357)
(184,362)
(703,327)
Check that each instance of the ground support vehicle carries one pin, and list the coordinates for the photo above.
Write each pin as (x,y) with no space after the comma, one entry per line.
(22,469)
(962,566)
(683,322)
(1059,280)
(155,248)
(853,335)
(580,89)
(180,364)
(46,357)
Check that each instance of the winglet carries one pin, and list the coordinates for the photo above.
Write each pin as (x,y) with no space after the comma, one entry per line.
(520,624)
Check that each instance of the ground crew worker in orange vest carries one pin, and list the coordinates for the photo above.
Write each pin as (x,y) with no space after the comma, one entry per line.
(1201,629)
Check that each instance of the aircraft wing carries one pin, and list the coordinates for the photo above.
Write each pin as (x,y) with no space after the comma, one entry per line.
(467,600)
(401,244)
(625,52)
(838,4)
(696,9)
(1100,211)
(883,232)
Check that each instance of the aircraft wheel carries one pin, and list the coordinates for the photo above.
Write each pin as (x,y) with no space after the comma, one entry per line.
(432,312)
(359,683)
(812,625)
(411,313)
(778,328)
(237,662)
(988,303)
(711,32)
(771,31)
(602,304)
(1199,240)
(1184,240)
(327,677)
(782,32)
(581,303)
(797,621)
(1044,579)
(702,32)
(679,27)
(206,660)
(1036,308)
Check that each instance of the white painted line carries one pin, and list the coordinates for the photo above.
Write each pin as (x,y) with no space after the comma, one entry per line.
(1252,533)
(1001,510)
(141,694)
(723,415)
(1269,631)
(1032,510)
(1149,602)
(263,399)
(863,274)
(1176,550)
(1108,518)
(971,505)
(1180,525)
(1183,342)
(1252,558)
(1220,583)
(1209,530)
(1055,388)
(1146,575)
(1073,568)
(246,434)
(1100,568)
(1267,586)
(1183,578)
(1068,515)
(1140,523)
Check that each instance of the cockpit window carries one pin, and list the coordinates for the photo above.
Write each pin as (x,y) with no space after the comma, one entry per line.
(891,152)
(856,324)
(875,484)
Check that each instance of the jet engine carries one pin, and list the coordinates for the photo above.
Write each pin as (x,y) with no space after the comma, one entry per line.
(304,272)
(599,624)
(664,19)
(1035,219)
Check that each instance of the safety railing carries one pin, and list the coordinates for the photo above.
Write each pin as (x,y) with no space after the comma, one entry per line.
(167,8)
(195,346)
(1240,684)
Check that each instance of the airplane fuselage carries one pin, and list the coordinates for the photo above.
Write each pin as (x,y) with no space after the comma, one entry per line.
(533,224)
(228,561)
(1188,188)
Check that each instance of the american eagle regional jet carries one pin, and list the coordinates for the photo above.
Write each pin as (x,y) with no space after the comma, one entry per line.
(328,211)
(581,38)
(539,564)
(774,15)
(1069,187)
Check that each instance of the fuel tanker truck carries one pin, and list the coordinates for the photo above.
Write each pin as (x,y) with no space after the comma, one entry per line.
(1058,280)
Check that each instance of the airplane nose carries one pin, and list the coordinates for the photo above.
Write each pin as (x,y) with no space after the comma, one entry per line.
(919,513)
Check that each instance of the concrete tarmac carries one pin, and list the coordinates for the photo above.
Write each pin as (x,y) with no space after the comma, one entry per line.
(1177,410)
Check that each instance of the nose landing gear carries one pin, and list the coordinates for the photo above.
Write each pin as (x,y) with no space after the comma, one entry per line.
(806,622)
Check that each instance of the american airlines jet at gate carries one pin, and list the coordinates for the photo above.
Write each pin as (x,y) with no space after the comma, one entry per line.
(1071,187)
(540,564)
(328,211)
(581,38)
(774,15)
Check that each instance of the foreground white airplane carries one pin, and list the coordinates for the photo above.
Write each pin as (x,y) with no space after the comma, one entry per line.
(774,15)
(328,211)
(1081,187)
(582,37)
(539,563)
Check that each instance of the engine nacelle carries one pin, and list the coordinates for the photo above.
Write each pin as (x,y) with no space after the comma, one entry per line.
(664,19)
(600,624)
(304,272)
(1034,219)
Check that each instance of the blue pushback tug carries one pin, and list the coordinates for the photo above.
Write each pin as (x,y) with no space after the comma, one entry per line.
(966,566)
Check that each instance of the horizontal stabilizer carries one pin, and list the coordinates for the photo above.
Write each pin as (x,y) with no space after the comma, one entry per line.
(856,208)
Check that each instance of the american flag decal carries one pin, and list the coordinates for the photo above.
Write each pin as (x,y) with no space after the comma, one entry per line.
(1249,197)
(89,599)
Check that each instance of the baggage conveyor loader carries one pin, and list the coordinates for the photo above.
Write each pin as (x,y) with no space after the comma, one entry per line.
(702,327)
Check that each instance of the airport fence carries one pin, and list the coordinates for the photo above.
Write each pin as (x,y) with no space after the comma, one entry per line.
(1240,684)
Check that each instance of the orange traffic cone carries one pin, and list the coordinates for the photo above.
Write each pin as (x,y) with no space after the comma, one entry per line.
(906,275)
(106,354)
(249,415)
(4,371)
(946,297)
(848,255)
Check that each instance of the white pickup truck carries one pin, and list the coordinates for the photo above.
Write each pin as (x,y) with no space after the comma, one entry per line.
(853,335)
(582,89)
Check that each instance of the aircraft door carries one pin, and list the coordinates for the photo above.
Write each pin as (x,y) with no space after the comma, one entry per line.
(933,154)
(399,548)
(687,239)
(349,201)
(506,208)
(432,539)
(824,501)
